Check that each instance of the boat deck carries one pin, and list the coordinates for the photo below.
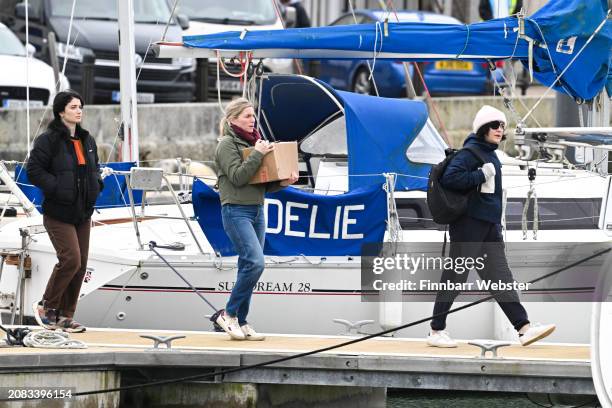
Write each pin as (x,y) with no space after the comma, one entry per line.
(381,362)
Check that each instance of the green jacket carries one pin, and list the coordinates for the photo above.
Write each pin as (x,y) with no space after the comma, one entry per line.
(234,173)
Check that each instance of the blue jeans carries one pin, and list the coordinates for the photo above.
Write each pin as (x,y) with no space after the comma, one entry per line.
(245,225)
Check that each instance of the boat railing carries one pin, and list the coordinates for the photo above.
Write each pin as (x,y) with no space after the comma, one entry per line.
(149,179)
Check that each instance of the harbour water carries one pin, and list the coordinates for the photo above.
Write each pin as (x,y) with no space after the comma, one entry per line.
(472,399)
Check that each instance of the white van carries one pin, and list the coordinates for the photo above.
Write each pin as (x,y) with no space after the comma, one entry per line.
(215,16)
(13,78)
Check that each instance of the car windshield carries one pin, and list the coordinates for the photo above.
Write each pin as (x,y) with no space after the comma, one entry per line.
(145,11)
(10,44)
(229,11)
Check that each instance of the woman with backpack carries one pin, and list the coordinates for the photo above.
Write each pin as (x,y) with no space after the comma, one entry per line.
(478,231)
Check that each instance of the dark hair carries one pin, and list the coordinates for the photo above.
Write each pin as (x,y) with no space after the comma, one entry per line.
(62,99)
(482,131)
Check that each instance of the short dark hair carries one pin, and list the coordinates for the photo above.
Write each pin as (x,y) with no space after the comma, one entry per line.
(62,99)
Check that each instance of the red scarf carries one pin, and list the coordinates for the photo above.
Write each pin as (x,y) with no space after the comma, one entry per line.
(250,138)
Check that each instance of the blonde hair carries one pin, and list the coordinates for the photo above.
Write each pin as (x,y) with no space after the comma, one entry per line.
(232,111)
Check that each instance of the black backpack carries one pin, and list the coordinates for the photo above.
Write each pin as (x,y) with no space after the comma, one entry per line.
(444,204)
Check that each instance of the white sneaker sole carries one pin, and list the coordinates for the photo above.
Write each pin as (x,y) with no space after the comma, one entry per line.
(442,345)
(540,336)
(251,338)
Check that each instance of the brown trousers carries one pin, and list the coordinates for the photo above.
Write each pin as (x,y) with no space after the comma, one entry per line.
(71,243)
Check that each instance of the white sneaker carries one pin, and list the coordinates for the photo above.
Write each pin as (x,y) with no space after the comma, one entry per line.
(535,333)
(230,326)
(251,334)
(440,338)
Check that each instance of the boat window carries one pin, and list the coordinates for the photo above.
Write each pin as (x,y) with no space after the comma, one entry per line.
(556,213)
(330,139)
(229,11)
(145,11)
(427,147)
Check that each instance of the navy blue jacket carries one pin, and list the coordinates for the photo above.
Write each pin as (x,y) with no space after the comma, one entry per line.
(463,174)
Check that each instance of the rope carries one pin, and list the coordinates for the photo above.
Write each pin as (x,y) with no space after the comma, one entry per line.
(52,339)
(467,39)
(352,10)
(377,29)
(393,223)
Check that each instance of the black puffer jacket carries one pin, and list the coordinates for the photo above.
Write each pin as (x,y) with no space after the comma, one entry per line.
(53,167)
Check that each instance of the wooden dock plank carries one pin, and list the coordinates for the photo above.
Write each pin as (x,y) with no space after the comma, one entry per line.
(100,339)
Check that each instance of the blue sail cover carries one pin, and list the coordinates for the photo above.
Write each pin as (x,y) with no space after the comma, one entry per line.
(379,131)
(114,194)
(302,223)
(564,26)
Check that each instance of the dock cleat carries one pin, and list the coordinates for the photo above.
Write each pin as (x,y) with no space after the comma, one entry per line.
(214,318)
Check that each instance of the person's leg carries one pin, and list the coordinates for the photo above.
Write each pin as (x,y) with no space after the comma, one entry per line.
(259,226)
(64,238)
(71,294)
(497,270)
(465,234)
(238,222)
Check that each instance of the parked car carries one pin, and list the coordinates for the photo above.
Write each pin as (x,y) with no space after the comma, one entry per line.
(13,78)
(441,77)
(214,16)
(95,33)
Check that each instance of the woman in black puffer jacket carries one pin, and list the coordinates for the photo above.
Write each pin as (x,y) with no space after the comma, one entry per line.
(64,164)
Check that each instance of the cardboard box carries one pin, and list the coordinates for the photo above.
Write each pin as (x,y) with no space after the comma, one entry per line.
(276,165)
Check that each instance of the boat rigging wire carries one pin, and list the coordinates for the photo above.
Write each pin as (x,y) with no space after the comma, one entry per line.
(370,68)
(152,246)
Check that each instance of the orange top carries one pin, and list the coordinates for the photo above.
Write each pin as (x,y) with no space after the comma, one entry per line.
(78,148)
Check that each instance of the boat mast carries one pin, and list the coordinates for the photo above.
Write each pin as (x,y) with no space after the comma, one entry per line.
(127,77)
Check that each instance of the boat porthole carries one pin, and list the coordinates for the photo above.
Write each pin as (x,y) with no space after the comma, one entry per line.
(144,276)
(120,315)
(128,298)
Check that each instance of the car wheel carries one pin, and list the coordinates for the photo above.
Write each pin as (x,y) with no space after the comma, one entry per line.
(361,83)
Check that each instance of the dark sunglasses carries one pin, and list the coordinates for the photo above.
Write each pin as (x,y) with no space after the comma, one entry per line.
(496,124)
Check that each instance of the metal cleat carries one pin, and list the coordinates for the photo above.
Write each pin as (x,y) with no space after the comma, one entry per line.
(157,340)
(488,345)
(350,326)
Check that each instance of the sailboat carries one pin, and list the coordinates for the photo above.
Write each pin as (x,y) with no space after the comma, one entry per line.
(383,149)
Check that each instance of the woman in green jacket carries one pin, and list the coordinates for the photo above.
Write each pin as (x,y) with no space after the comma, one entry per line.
(242,210)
